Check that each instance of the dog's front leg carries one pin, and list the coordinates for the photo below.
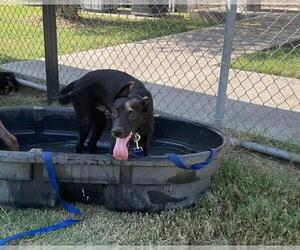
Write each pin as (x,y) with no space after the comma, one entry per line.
(144,143)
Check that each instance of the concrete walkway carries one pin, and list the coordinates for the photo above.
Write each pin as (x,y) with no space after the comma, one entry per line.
(185,70)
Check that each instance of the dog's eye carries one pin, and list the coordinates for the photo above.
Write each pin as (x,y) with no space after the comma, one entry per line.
(114,113)
(132,114)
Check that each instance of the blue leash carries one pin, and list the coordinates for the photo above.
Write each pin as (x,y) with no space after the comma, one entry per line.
(180,164)
(62,224)
(51,174)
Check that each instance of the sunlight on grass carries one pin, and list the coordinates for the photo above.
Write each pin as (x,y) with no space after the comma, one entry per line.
(284,61)
(23,31)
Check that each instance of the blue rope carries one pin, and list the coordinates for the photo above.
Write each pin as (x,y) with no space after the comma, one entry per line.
(62,224)
(180,164)
(51,174)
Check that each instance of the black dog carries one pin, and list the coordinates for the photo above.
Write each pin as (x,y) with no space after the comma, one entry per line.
(8,82)
(126,98)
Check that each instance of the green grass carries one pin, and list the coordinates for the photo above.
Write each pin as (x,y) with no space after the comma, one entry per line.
(22,33)
(24,97)
(284,61)
(253,201)
(289,145)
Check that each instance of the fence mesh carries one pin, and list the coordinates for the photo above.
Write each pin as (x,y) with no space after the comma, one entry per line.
(22,39)
(264,84)
(177,52)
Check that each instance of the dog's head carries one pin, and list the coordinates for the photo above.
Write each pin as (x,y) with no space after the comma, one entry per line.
(128,113)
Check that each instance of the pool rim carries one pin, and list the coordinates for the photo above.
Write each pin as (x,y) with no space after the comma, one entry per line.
(105,159)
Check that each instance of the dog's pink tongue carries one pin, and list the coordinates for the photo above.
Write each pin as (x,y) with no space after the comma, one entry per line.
(120,151)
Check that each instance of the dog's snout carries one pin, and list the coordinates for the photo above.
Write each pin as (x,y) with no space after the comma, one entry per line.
(117,132)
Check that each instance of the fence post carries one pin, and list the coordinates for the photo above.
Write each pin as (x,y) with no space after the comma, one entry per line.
(50,43)
(225,63)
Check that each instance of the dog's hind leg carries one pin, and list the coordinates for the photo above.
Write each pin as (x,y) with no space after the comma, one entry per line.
(84,129)
(84,124)
(99,125)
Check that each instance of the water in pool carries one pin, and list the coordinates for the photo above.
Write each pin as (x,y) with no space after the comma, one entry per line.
(157,147)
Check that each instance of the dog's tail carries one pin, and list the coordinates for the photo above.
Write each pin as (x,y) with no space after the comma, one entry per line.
(66,94)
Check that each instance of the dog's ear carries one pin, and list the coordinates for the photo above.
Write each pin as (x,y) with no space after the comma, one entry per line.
(146,101)
(124,92)
(142,103)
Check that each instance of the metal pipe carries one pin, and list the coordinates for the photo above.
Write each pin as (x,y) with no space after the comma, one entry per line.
(267,150)
(32,85)
(51,58)
(225,63)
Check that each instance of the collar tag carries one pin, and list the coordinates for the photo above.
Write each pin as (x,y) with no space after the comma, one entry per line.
(137,138)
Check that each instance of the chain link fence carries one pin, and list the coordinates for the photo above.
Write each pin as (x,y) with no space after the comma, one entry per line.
(177,51)
(264,81)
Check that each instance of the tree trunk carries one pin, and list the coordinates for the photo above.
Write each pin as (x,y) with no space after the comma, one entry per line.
(253,5)
(69,12)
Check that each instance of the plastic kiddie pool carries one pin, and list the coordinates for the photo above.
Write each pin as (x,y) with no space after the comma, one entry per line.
(151,184)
